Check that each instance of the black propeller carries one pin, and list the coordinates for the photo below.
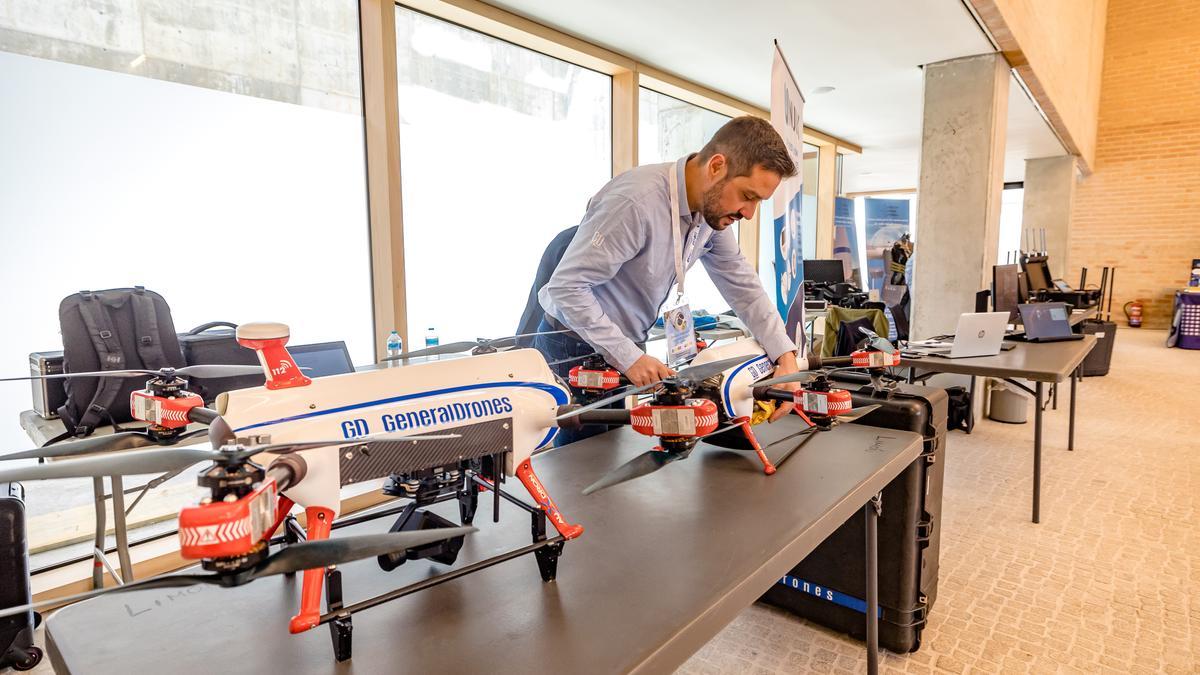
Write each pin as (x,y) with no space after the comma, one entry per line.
(163,460)
(811,432)
(124,440)
(642,465)
(856,413)
(459,347)
(202,371)
(695,373)
(802,376)
(294,558)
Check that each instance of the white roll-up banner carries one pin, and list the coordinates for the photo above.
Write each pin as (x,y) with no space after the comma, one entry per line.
(787,110)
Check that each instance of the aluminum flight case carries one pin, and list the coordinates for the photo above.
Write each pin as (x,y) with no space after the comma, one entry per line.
(829,586)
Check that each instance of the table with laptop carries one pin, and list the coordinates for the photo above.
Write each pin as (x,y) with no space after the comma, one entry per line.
(1044,351)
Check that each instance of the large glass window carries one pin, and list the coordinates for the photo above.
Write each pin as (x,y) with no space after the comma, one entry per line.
(501,149)
(1012,203)
(211,153)
(668,129)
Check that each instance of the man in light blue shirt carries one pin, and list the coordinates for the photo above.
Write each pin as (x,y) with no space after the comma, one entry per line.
(613,279)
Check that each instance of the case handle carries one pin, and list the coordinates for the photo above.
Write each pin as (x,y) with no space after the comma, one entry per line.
(211,324)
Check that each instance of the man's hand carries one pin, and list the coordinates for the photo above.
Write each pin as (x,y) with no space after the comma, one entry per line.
(786,365)
(648,369)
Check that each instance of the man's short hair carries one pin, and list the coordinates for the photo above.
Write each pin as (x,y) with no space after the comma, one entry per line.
(748,142)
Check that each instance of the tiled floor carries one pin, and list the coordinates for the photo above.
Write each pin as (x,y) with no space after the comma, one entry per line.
(1109,582)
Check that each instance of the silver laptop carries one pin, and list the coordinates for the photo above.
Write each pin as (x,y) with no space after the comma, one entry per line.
(976,335)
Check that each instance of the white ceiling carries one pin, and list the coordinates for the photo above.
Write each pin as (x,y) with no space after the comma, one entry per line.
(870,51)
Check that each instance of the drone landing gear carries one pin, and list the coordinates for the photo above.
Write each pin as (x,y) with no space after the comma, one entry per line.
(744,423)
(341,630)
(319,521)
(546,551)
(464,487)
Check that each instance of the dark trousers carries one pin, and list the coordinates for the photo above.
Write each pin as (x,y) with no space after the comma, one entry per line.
(560,347)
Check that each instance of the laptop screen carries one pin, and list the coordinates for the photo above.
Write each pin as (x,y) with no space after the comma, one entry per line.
(323,358)
(1046,319)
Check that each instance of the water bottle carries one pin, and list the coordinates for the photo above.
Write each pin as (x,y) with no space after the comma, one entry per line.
(431,338)
(395,346)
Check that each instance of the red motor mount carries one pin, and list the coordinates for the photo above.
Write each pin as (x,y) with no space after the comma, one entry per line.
(696,417)
(228,529)
(168,412)
(874,359)
(599,378)
(823,402)
(165,404)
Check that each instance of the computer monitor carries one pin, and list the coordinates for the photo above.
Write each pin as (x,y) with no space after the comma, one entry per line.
(1006,284)
(323,358)
(824,271)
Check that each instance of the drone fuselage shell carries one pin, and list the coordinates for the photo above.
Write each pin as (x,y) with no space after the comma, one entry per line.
(737,397)
(515,384)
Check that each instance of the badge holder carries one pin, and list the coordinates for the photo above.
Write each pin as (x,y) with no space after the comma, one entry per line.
(680,332)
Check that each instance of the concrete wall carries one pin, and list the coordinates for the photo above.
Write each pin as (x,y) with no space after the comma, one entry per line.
(1139,209)
(1057,47)
(1049,191)
(962,174)
(304,52)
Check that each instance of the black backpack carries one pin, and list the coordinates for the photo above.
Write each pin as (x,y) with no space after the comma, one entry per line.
(959,409)
(112,330)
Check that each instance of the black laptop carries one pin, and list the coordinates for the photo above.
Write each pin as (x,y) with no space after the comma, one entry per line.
(324,358)
(1047,322)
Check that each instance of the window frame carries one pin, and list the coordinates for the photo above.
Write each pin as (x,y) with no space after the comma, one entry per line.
(382,128)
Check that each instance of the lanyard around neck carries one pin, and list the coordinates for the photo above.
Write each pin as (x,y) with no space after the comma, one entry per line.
(676,240)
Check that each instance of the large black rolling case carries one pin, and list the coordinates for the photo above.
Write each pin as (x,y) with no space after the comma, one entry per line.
(1100,358)
(16,632)
(829,586)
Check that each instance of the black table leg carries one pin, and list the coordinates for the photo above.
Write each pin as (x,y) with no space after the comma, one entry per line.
(872,510)
(1037,454)
(971,410)
(1054,395)
(1071,433)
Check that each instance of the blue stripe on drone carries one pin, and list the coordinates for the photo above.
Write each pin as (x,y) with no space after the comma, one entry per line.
(559,397)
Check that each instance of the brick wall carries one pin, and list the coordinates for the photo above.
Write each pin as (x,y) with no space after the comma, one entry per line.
(1140,210)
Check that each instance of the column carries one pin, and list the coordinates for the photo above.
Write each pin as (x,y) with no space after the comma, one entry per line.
(1049,192)
(962,175)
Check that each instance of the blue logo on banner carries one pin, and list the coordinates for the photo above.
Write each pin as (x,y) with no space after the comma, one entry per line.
(887,221)
(827,594)
(789,266)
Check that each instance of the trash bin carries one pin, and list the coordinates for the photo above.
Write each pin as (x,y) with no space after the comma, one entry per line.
(1007,404)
